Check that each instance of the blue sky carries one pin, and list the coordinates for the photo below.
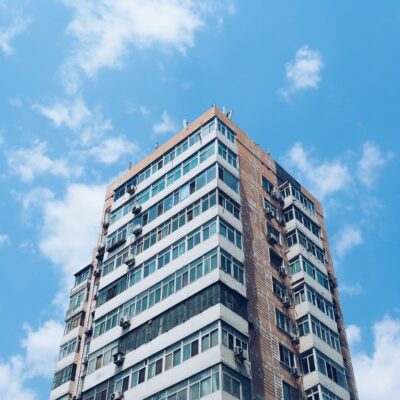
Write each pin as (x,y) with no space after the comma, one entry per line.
(88,85)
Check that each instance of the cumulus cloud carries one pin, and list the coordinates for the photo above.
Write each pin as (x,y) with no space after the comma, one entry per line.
(371,163)
(12,381)
(88,125)
(377,374)
(166,125)
(70,114)
(104,30)
(40,349)
(12,23)
(324,178)
(113,149)
(28,163)
(304,72)
(69,231)
(351,290)
(4,240)
(353,334)
(346,239)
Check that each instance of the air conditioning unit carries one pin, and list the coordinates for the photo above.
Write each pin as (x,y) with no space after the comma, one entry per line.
(282,222)
(118,358)
(269,213)
(272,238)
(130,261)
(136,209)
(295,339)
(106,224)
(295,372)
(116,396)
(274,194)
(89,332)
(97,272)
(287,301)
(283,270)
(239,355)
(124,321)
(85,360)
(137,229)
(281,198)
(131,189)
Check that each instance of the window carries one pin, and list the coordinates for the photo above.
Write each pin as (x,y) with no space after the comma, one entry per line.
(286,356)
(228,178)
(289,392)
(270,208)
(283,321)
(319,329)
(297,236)
(294,213)
(82,276)
(332,370)
(76,300)
(226,132)
(278,289)
(229,232)
(176,315)
(274,259)
(307,293)
(68,348)
(227,154)
(165,159)
(267,185)
(273,234)
(65,375)
(308,362)
(231,385)
(73,322)
(171,284)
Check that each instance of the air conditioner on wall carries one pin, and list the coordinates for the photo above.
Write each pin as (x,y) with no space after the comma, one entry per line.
(239,355)
(130,261)
(116,396)
(124,321)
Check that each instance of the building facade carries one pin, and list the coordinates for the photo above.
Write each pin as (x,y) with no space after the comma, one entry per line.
(212,279)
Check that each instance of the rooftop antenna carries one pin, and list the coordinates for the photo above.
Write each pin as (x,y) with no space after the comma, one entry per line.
(129,165)
(156,145)
(224,110)
(268,152)
(229,114)
(185,123)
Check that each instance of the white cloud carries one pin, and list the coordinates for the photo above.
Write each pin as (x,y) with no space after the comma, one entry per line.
(353,334)
(371,163)
(304,72)
(166,125)
(40,352)
(12,28)
(28,163)
(69,231)
(32,200)
(377,374)
(324,179)
(346,239)
(69,114)
(351,290)
(4,240)
(12,381)
(144,111)
(88,125)
(111,150)
(104,30)
(41,348)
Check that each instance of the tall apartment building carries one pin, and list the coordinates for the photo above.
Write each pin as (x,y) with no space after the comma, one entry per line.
(212,279)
